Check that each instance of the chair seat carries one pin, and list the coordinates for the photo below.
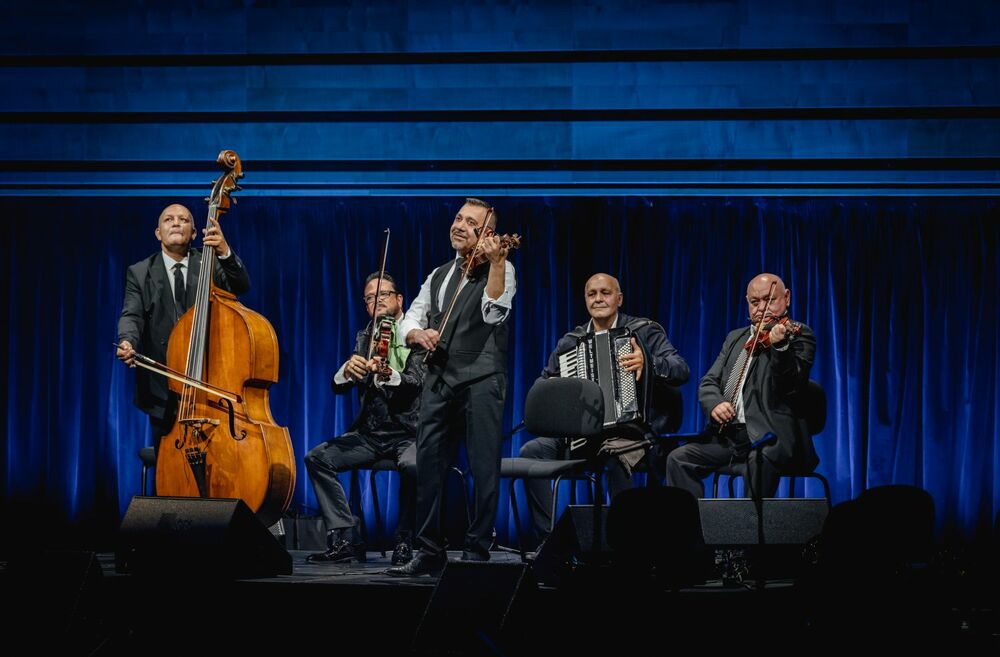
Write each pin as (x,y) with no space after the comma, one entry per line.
(522,468)
(384,465)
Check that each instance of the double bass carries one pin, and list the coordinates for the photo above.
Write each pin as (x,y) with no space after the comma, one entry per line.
(225,442)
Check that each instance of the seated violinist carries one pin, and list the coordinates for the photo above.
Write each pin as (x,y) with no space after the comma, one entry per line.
(389,387)
(749,392)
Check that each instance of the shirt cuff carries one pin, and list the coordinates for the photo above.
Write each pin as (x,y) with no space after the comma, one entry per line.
(495,311)
(339,377)
(227,256)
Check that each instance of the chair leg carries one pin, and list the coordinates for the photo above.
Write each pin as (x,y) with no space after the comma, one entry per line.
(517,519)
(555,503)
(145,472)
(826,489)
(791,487)
(731,485)
(356,507)
(715,485)
(379,525)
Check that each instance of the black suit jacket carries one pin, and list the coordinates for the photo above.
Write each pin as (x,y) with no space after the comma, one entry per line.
(403,400)
(664,365)
(774,396)
(149,314)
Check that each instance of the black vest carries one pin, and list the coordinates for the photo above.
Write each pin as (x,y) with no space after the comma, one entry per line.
(475,349)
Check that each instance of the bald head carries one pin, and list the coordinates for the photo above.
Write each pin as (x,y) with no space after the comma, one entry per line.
(175,229)
(760,291)
(602,280)
(603,296)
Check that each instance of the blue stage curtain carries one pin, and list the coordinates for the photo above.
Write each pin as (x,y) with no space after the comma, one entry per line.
(902,294)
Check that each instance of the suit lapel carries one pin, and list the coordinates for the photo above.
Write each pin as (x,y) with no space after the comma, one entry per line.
(161,289)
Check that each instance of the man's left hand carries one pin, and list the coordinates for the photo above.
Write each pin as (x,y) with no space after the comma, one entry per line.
(778,334)
(634,361)
(493,251)
(215,239)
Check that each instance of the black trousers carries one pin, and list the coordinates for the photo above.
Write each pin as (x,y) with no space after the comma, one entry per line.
(475,409)
(540,490)
(688,465)
(358,450)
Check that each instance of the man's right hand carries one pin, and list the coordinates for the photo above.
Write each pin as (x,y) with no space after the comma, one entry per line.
(426,338)
(126,353)
(723,413)
(356,368)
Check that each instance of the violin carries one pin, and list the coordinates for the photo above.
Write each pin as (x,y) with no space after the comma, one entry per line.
(506,242)
(761,340)
(382,328)
(386,326)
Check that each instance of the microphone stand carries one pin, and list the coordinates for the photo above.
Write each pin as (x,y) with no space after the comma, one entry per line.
(757,447)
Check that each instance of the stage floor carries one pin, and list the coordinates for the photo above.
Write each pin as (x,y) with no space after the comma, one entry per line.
(77,604)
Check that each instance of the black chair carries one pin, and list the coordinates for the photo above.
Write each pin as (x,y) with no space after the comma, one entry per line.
(669,402)
(569,407)
(815,414)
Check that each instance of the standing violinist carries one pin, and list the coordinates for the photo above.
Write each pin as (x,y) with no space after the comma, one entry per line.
(389,385)
(746,403)
(466,381)
(158,290)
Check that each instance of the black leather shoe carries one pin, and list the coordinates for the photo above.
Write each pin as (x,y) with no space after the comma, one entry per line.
(341,552)
(419,565)
(402,553)
(475,555)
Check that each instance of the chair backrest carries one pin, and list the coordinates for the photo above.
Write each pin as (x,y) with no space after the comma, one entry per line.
(815,407)
(568,407)
(669,401)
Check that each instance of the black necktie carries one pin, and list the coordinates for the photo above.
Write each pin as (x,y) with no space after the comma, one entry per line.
(179,288)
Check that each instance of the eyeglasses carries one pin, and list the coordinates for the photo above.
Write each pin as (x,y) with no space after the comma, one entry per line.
(384,294)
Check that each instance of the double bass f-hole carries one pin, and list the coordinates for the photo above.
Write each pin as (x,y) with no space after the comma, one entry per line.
(228,406)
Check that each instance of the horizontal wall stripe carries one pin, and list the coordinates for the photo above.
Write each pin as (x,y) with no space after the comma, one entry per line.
(508,141)
(499,191)
(361,26)
(509,116)
(884,165)
(241,60)
(639,85)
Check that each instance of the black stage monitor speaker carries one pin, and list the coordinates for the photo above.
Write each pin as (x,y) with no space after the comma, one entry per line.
(478,608)
(197,537)
(573,541)
(790,525)
(733,522)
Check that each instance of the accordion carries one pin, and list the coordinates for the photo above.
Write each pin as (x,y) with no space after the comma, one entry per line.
(596,358)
